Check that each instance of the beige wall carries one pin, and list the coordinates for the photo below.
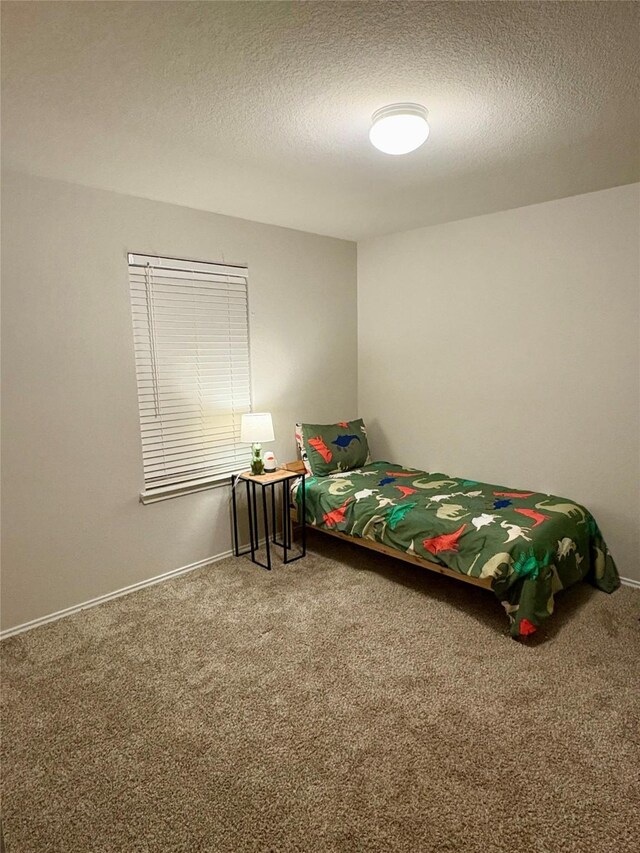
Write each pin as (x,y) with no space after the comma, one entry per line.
(73,528)
(506,348)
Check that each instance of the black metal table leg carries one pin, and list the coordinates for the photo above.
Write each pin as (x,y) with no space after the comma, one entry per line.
(252,541)
(236,535)
(285,532)
(275,514)
(303,507)
(255,513)
(304,515)
(286,506)
(236,549)
(274,527)
(266,527)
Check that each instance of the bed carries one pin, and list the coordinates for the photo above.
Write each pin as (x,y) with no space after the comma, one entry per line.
(524,546)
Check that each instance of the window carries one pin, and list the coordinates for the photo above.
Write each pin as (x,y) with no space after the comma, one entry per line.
(191,336)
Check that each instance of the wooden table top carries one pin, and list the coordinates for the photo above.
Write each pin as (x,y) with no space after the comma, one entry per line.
(277,476)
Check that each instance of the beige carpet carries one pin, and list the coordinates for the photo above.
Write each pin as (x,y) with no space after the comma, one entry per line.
(347,702)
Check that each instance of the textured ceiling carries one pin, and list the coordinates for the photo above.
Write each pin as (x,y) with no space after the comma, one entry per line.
(262,110)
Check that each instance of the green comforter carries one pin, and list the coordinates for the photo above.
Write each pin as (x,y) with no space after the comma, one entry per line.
(531,545)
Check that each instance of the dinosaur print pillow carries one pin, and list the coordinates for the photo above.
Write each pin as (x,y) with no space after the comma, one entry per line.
(327,448)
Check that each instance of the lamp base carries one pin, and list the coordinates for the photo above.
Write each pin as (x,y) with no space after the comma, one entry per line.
(257,465)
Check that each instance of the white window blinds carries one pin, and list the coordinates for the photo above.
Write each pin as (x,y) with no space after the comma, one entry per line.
(191,335)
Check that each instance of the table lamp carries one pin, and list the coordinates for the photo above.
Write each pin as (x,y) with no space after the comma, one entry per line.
(254,429)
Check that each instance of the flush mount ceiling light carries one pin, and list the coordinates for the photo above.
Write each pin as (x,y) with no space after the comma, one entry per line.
(399,128)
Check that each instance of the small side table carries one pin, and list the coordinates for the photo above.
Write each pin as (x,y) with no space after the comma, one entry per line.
(265,481)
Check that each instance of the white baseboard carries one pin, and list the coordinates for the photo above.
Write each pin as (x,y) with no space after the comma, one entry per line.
(109,596)
(93,602)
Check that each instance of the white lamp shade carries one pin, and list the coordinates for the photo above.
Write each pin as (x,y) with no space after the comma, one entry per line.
(399,128)
(256,428)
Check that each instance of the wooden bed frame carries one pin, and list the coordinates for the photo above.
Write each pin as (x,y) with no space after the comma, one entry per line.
(485,583)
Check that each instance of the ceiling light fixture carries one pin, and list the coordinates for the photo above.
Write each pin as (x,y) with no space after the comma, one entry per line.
(399,128)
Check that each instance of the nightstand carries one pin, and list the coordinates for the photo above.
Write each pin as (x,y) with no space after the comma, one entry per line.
(266,482)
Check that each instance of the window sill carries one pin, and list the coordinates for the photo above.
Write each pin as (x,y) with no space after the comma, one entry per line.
(165,493)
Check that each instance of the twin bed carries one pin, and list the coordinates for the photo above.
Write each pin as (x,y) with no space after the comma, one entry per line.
(524,546)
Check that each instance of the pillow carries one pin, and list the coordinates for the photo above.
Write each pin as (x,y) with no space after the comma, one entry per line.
(327,448)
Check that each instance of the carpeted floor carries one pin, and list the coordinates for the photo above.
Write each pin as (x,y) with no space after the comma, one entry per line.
(347,702)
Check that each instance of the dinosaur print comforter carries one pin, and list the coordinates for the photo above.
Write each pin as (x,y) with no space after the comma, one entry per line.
(531,545)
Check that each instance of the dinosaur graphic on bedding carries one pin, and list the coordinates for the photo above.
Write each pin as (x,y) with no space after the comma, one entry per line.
(529,544)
